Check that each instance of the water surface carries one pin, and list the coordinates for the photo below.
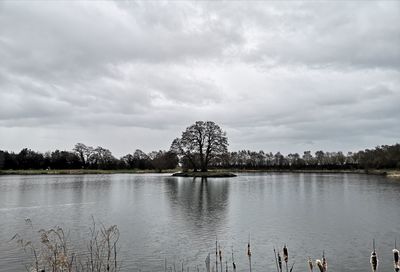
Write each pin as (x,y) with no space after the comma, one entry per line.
(178,218)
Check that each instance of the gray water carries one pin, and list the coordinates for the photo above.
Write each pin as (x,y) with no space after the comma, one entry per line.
(179,218)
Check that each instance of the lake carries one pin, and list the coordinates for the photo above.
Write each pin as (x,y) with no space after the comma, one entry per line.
(179,218)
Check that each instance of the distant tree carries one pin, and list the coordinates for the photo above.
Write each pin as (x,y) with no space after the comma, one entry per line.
(102,158)
(320,157)
(308,158)
(2,159)
(64,160)
(294,159)
(84,152)
(127,162)
(200,143)
(141,160)
(10,160)
(29,159)
(163,160)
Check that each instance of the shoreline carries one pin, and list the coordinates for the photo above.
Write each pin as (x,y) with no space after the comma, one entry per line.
(383,172)
(82,172)
(376,172)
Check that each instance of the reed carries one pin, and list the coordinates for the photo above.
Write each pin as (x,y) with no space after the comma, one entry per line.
(249,253)
(324,262)
(220,257)
(233,262)
(318,264)
(276,261)
(55,252)
(310,264)
(291,268)
(216,254)
(207,261)
(279,262)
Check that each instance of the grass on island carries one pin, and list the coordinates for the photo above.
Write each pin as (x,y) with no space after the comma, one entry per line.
(208,174)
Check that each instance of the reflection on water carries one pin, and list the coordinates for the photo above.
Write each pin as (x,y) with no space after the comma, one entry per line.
(179,218)
(202,203)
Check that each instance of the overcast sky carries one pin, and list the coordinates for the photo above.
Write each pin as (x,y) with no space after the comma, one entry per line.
(277,76)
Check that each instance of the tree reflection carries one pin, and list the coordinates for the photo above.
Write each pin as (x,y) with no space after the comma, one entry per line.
(201,202)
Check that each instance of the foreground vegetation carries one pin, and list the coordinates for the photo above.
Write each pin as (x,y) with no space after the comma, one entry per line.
(54,251)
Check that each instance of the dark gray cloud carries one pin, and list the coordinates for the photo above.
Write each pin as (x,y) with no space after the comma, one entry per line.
(278,76)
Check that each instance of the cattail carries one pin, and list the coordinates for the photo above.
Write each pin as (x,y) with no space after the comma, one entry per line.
(396,267)
(310,264)
(396,258)
(280,262)
(374,259)
(324,262)
(285,256)
(318,263)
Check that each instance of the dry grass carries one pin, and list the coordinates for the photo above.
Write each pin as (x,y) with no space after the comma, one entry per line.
(55,252)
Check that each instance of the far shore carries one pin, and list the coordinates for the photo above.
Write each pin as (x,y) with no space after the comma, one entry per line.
(83,172)
(383,172)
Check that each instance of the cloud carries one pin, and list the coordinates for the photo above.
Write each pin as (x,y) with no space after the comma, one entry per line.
(282,76)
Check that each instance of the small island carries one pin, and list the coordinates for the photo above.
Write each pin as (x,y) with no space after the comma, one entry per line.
(208,174)
(200,144)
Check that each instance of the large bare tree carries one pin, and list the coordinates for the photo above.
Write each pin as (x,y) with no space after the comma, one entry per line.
(201,143)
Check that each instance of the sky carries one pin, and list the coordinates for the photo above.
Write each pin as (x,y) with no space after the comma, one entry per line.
(276,76)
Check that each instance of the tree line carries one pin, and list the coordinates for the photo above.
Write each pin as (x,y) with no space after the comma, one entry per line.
(87,157)
(203,145)
(381,157)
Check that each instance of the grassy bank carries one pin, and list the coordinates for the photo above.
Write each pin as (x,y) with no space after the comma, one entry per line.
(393,174)
(380,172)
(81,172)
